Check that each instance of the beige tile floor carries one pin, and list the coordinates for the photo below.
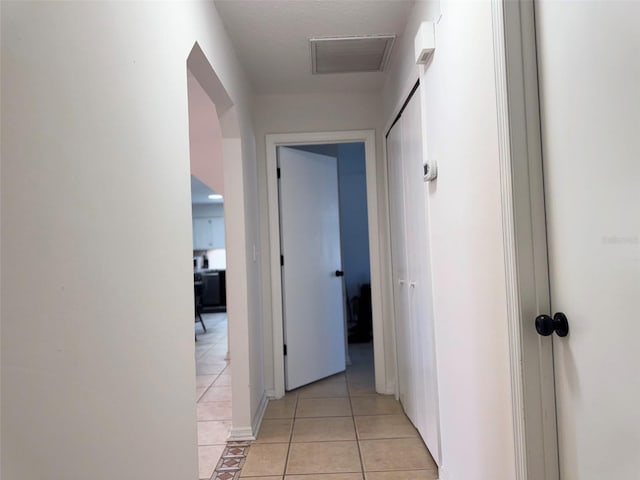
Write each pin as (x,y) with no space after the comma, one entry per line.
(339,429)
(213,391)
(334,429)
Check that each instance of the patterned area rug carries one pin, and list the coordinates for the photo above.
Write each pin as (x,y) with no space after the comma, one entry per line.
(231,461)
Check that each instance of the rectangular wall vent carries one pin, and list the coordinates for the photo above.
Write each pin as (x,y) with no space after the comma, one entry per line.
(368,53)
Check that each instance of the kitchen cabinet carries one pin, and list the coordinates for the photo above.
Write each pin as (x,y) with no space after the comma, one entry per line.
(208,233)
(215,292)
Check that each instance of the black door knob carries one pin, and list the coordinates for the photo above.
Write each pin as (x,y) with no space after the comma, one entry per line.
(545,325)
(339,273)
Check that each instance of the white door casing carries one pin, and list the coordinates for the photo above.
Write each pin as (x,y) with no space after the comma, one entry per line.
(589,70)
(384,354)
(524,233)
(313,299)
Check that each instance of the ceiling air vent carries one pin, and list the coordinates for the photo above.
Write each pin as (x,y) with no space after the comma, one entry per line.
(368,53)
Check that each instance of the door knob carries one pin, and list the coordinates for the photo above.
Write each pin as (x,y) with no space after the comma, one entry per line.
(339,273)
(545,325)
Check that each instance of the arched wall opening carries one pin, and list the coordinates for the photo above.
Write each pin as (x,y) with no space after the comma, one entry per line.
(216,152)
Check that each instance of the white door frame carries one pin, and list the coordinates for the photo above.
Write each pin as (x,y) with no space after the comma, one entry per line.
(525,239)
(273,141)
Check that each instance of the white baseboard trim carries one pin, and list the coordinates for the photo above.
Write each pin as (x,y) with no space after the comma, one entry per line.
(442,474)
(257,420)
(270,393)
(241,434)
(250,433)
(389,390)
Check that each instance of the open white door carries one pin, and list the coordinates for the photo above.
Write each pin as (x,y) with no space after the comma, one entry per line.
(589,71)
(313,303)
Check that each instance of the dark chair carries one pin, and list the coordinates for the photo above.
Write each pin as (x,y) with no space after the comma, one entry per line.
(198,292)
(362,331)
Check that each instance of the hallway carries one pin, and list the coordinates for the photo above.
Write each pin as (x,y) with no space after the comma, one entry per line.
(100,384)
(336,429)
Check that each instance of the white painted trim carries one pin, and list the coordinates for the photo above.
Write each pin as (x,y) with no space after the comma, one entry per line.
(524,227)
(368,137)
(392,354)
(238,434)
(257,420)
(442,474)
(508,229)
(392,389)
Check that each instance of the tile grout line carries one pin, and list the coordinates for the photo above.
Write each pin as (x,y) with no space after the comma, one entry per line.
(211,385)
(355,428)
(217,375)
(293,426)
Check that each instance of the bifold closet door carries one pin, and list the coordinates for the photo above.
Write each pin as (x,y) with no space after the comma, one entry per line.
(419,274)
(399,262)
(415,339)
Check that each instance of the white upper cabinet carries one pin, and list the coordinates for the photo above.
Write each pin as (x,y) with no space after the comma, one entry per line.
(208,233)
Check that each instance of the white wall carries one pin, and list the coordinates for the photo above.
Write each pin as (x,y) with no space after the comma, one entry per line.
(97,350)
(313,113)
(458,94)
(204,210)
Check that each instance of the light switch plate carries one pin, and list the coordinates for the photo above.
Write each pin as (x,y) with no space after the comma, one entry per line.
(430,170)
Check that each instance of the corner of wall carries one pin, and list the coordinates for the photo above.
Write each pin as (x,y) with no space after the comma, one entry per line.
(250,433)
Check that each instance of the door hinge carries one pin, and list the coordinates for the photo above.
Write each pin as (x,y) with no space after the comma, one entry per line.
(284,349)
(278,172)
(282,260)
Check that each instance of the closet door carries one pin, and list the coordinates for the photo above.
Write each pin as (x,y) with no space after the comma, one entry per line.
(399,263)
(424,379)
(410,252)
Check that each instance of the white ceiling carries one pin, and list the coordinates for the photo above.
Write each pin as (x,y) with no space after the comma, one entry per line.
(200,192)
(271,38)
